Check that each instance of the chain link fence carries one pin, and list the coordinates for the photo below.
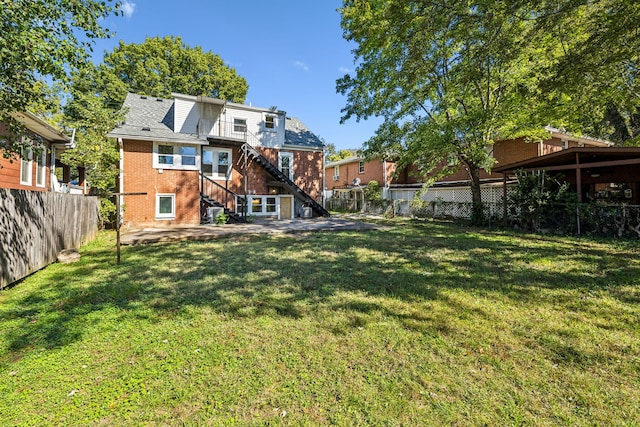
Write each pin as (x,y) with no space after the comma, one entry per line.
(566,218)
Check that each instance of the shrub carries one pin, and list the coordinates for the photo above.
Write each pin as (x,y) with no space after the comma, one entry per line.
(221,218)
(543,202)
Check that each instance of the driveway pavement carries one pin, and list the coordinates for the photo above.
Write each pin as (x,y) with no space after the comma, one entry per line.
(208,232)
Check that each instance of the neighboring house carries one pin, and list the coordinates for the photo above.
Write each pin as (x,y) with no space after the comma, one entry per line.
(455,187)
(347,176)
(193,156)
(40,168)
(608,174)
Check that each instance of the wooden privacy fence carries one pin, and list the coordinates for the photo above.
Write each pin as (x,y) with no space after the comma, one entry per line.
(36,226)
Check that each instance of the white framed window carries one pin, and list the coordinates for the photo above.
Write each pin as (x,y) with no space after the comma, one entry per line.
(239,125)
(285,164)
(270,122)
(41,168)
(256,205)
(239,129)
(217,163)
(165,154)
(270,205)
(361,166)
(188,155)
(26,170)
(165,206)
(175,156)
(263,205)
(336,172)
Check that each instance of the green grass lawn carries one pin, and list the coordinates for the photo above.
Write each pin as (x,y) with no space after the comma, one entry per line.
(425,323)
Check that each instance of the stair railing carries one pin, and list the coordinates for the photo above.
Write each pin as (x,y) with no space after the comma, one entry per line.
(275,172)
(221,194)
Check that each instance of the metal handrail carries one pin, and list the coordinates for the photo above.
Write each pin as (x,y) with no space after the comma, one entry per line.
(220,194)
(234,132)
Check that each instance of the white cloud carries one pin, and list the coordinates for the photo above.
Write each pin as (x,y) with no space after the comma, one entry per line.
(127,8)
(301,65)
(345,70)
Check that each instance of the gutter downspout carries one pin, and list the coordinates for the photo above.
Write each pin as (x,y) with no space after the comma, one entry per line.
(121,180)
(385,189)
(324,183)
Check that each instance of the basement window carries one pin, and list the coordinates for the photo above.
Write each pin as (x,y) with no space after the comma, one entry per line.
(165,206)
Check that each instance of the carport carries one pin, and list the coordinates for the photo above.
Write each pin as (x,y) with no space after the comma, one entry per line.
(585,167)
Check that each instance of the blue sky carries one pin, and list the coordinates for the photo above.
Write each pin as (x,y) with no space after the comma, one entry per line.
(290,51)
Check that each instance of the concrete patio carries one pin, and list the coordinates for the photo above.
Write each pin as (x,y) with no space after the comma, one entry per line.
(208,232)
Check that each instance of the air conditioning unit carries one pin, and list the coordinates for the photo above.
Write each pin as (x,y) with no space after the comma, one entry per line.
(336,177)
(306,212)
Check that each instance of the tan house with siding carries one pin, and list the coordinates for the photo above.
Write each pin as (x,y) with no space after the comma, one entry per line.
(194,156)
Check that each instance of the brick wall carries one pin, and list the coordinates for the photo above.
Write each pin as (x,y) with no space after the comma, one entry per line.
(140,176)
(307,171)
(505,152)
(373,171)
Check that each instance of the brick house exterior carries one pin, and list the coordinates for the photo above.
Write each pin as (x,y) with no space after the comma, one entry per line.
(192,156)
(35,169)
(344,173)
(515,150)
(405,183)
(505,152)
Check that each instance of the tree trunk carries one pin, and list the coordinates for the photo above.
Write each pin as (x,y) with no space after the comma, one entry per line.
(477,212)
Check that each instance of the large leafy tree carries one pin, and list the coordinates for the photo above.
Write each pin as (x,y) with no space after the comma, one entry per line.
(449,78)
(92,112)
(42,40)
(333,154)
(598,68)
(156,67)
(159,66)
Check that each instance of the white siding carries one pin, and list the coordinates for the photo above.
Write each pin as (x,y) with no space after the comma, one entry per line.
(256,127)
(186,116)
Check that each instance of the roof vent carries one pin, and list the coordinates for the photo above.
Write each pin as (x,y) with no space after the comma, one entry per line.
(143,97)
(159,99)
(146,128)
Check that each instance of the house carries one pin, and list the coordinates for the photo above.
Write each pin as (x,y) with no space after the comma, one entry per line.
(39,168)
(456,187)
(608,174)
(347,176)
(193,156)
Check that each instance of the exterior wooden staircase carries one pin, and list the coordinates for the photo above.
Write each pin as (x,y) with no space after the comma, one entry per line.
(297,192)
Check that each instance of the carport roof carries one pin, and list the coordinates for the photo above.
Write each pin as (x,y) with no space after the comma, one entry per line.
(578,157)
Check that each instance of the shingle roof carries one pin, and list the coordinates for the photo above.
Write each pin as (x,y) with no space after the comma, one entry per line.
(296,133)
(351,159)
(150,118)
